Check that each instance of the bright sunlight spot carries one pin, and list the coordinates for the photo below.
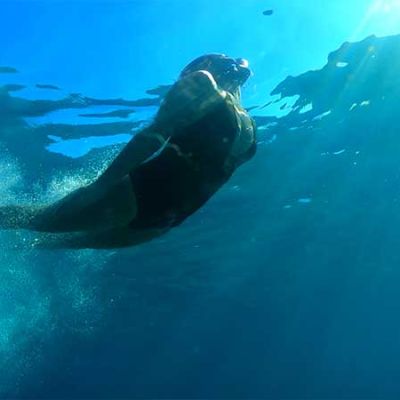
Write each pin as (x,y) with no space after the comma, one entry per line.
(387,6)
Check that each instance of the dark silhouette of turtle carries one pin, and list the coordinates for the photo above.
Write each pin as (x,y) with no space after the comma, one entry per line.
(199,136)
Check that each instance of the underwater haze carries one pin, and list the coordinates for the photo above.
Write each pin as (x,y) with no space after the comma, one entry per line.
(286,283)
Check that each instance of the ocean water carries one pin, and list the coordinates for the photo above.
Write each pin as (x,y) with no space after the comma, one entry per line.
(286,283)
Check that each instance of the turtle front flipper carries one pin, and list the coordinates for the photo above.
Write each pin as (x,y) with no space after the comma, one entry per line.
(188,100)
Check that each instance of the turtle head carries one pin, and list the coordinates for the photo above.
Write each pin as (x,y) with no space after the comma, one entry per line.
(229,73)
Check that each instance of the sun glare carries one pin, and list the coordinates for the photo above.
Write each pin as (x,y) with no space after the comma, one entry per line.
(382,17)
(386,6)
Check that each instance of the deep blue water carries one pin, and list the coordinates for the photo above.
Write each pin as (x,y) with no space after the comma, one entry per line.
(285,285)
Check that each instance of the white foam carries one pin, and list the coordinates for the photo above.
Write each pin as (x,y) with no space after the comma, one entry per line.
(323,115)
(308,107)
(304,200)
(336,153)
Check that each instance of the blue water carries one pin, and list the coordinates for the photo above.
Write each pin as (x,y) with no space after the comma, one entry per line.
(286,283)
